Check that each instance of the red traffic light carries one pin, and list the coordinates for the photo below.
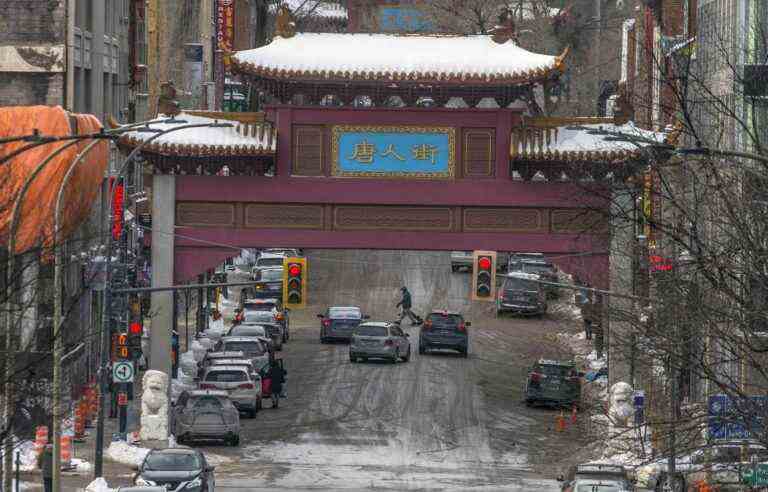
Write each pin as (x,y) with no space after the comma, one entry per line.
(135,329)
(294,270)
(484,262)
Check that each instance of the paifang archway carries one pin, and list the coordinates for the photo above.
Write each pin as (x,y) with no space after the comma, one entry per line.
(386,146)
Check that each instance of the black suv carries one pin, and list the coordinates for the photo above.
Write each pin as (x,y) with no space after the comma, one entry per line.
(550,382)
(179,468)
(537,266)
(444,330)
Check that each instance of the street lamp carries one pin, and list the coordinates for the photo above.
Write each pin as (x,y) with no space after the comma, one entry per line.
(105,321)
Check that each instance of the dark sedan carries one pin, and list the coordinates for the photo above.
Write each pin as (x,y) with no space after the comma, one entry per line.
(339,322)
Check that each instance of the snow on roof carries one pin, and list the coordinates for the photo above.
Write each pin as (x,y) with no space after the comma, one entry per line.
(312,8)
(396,57)
(240,139)
(583,141)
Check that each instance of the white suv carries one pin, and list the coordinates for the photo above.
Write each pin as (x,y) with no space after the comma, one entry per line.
(243,387)
(266,260)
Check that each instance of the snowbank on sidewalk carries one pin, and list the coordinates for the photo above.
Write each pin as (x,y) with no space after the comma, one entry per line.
(27,456)
(99,485)
(125,454)
(81,466)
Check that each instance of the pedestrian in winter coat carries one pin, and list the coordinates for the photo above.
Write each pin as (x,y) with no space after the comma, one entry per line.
(405,303)
(45,464)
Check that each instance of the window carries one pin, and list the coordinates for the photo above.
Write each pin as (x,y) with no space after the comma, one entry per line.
(87,48)
(231,376)
(345,313)
(78,48)
(371,331)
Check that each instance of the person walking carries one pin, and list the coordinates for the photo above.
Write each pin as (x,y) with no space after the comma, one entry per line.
(406,302)
(45,465)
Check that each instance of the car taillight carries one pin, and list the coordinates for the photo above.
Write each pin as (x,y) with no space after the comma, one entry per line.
(326,323)
(246,386)
(427,325)
(389,343)
(462,327)
(279,317)
(204,386)
(536,377)
(501,295)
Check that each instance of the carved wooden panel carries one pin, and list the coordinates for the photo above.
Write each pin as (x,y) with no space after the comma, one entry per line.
(391,218)
(505,220)
(479,152)
(263,215)
(579,221)
(307,150)
(205,214)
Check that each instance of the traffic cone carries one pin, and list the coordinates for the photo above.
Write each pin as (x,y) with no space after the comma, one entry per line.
(66,451)
(41,438)
(80,412)
(560,422)
(574,413)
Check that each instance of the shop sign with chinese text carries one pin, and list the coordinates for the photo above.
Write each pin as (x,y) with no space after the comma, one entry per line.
(225,28)
(394,151)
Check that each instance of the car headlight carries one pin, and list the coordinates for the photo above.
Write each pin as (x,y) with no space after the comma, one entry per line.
(196,483)
(145,482)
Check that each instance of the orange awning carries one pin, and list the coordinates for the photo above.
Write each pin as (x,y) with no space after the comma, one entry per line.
(35,228)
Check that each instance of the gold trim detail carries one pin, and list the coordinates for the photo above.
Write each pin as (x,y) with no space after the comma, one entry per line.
(338,130)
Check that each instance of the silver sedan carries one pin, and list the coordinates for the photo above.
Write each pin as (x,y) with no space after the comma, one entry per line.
(380,340)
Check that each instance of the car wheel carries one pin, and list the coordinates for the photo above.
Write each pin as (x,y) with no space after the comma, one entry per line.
(252,414)
(407,355)
(323,340)
(465,352)
(422,350)
(396,357)
(454,268)
(259,404)
(352,358)
(528,403)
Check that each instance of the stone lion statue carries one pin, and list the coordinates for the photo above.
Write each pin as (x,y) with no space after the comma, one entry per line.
(154,406)
(621,411)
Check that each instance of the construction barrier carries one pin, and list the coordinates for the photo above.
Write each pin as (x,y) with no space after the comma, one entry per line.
(81,410)
(41,438)
(560,422)
(66,451)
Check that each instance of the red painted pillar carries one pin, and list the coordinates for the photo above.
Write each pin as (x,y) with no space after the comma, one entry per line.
(283,117)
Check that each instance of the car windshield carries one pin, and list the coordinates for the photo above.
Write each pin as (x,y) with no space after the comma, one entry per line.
(247,331)
(206,403)
(444,320)
(344,313)
(256,316)
(250,348)
(597,487)
(231,376)
(172,462)
(267,262)
(372,331)
(537,268)
(552,370)
(259,306)
(271,275)
(516,283)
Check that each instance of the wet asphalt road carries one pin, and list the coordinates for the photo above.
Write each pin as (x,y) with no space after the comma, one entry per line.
(438,422)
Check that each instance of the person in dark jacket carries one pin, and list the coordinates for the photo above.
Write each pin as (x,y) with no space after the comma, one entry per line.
(277,375)
(45,464)
(406,302)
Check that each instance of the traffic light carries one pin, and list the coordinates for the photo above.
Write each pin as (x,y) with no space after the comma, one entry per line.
(120,341)
(295,282)
(484,275)
(134,340)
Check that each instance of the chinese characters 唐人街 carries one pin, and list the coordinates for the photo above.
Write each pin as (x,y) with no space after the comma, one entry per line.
(364,152)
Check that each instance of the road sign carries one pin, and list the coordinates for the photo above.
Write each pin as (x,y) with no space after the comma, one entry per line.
(756,476)
(122,372)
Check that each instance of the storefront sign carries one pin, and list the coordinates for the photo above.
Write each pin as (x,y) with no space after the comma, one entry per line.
(225,28)
(390,151)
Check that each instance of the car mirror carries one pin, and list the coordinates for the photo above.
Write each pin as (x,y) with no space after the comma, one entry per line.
(560,478)
(467,323)
(366,316)
(320,316)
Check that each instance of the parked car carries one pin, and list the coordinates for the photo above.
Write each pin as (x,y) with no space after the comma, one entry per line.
(267,260)
(209,357)
(255,349)
(338,323)
(242,388)
(177,469)
(292,252)
(461,259)
(270,304)
(550,382)
(600,477)
(268,283)
(544,269)
(521,293)
(252,370)
(269,332)
(382,340)
(205,415)
(444,330)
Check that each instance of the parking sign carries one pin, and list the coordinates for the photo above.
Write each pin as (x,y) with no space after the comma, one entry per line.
(122,372)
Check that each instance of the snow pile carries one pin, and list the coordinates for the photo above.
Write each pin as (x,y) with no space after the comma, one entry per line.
(81,466)
(125,454)
(27,456)
(180,385)
(198,351)
(99,485)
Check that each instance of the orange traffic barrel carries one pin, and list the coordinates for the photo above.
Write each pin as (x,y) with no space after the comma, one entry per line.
(560,422)
(80,412)
(66,451)
(41,438)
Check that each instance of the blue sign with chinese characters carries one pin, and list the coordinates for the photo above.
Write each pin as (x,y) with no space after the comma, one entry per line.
(391,151)
(727,420)
(403,19)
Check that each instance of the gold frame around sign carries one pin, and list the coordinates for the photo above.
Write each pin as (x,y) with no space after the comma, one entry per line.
(337,130)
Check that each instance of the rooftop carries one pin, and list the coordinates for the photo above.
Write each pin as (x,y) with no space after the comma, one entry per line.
(414,58)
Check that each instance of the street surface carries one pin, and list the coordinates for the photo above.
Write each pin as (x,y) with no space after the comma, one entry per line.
(438,422)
